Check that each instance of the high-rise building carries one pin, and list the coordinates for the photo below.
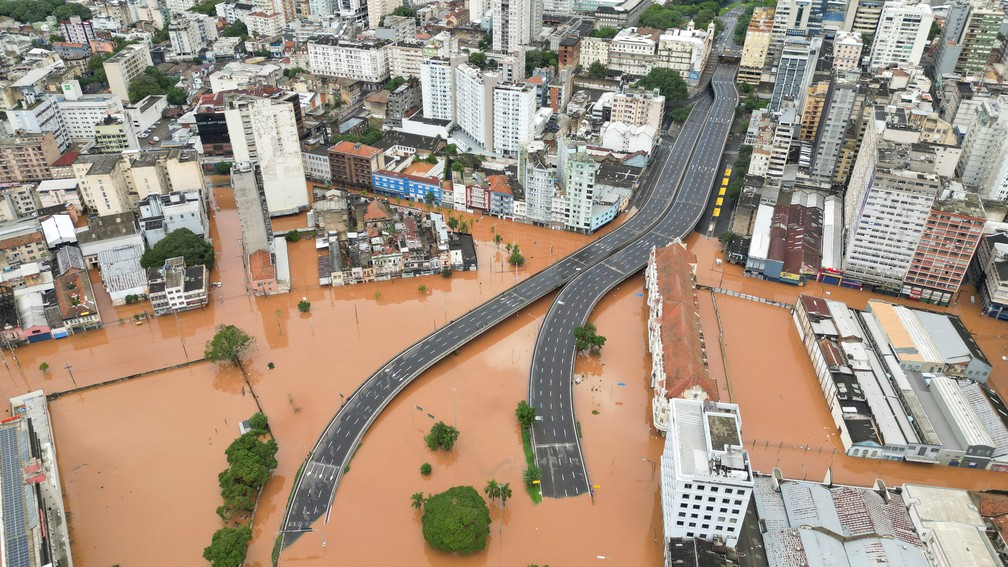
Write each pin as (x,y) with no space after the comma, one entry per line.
(81,112)
(474,100)
(863,16)
(514,106)
(968,37)
(38,114)
(785,126)
(889,200)
(125,66)
(794,72)
(360,60)
(576,176)
(951,234)
(847,48)
(757,44)
(985,147)
(815,101)
(836,114)
(902,34)
(539,178)
(706,478)
(479,9)
(26,157)
(949,48)
(638,107)
(515,23)
(76,30)
(437,87)
(264,131)
(352,164)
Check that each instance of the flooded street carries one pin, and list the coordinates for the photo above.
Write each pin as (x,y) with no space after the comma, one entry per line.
(139,460)
(785,420)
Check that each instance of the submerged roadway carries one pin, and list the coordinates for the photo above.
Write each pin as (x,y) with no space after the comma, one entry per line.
(315,487)
(554,433)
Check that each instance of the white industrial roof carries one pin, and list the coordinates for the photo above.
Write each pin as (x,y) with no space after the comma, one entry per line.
(759,246)
(967,425)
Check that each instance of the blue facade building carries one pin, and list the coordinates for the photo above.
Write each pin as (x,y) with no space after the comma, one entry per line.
(406,186)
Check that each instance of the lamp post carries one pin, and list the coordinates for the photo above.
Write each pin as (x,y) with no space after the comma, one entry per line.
(653,465)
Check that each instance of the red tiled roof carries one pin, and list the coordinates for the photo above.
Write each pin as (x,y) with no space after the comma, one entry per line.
(499,184)
(376,210)
(359,150)
(261,266)
(683,354)
(66,159)
(993,504)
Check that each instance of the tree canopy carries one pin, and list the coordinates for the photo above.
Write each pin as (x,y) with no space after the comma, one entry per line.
(228,547)
(153,82)
(669,82)
(456,520)
(394,83)
(180,242)
(525,414)
(441,436)
(208,8)
(30,11)
(679,14)
(227,344)
(236,29)
(605,32)
(536,58)
(597,70)
(369,137)
(587,338)
(479,59)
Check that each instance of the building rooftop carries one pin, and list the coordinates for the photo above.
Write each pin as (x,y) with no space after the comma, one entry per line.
(108,227)
(707,448)
(354,149)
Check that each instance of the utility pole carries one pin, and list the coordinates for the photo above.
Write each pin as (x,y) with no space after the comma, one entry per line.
(70,371)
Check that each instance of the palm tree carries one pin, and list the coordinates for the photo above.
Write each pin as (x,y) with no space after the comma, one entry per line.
(497,239)
(504,492)
(417,500)
(492,490)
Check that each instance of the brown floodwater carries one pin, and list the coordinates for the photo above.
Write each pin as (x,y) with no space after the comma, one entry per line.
(489,377)
(786,422)
(169,496)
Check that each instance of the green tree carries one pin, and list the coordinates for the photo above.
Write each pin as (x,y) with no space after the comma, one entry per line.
(404,11)
(458,166)
(497,239)
(597,70)
(453,222)
(446,273)
(532,474)
(208,8)
(456,521)
(504,493)
(605,32)
(259,422)
(304,306)
(227,345)
(425,469)
(479,59)
(535,59)
(251,459)
(222,167)
(525,414)
(587,338)
(180,242)
(516,258)
(441,436)
(417,500)
(236,29)
(44,367)
(726,237)
(451,149)
(292,236)
(228,547)
(668,81)
(430,198)
(492,490)
(177,96)
(394,83)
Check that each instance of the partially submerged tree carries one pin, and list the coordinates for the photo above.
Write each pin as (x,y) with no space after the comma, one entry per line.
(227,345)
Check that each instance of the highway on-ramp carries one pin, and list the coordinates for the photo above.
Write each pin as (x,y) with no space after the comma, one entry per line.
(554,434)
(315,487)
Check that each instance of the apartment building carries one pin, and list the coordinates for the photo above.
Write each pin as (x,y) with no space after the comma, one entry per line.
(359,60)
(21,241)
(437,87)
(115,134)
(889,200)
(265,131)
(847,48)
(175,288)
(474,97)
(403,185)
(539,178)
(162,214)
(794,72)
(26,157)
(968,37)
(756,46)
(103,182)
(706,478)
(685,51)
(902,34)
(839,104)
(82,112)
(576,176)
(125,66)
(514,106)
(75,30)
(638,107)
(951,234)
(815,101)
(985,147)
(352,164)
(38,114)
(189,34)
(989,271)
(863,16)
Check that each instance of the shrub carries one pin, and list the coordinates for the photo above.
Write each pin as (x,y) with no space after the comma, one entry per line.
(425,469)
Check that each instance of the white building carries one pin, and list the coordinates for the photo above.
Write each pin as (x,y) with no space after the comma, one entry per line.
(794,72)
(515,23)
(121,273)
(264,131)
(175,288)
(638,107)
(474,97)
(706,480)
(125,66)
(982,164)
(363,61)
(952,530)
(82,112)
(902,34)
(576,176)
(847,48)
(38,115)
(514,106)
(265,24)
(437,87)
(160,215)
(539,178)
(685,51)
(405,58)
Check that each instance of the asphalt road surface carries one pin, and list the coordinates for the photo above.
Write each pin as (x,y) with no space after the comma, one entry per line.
(554,434)
(324,466)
